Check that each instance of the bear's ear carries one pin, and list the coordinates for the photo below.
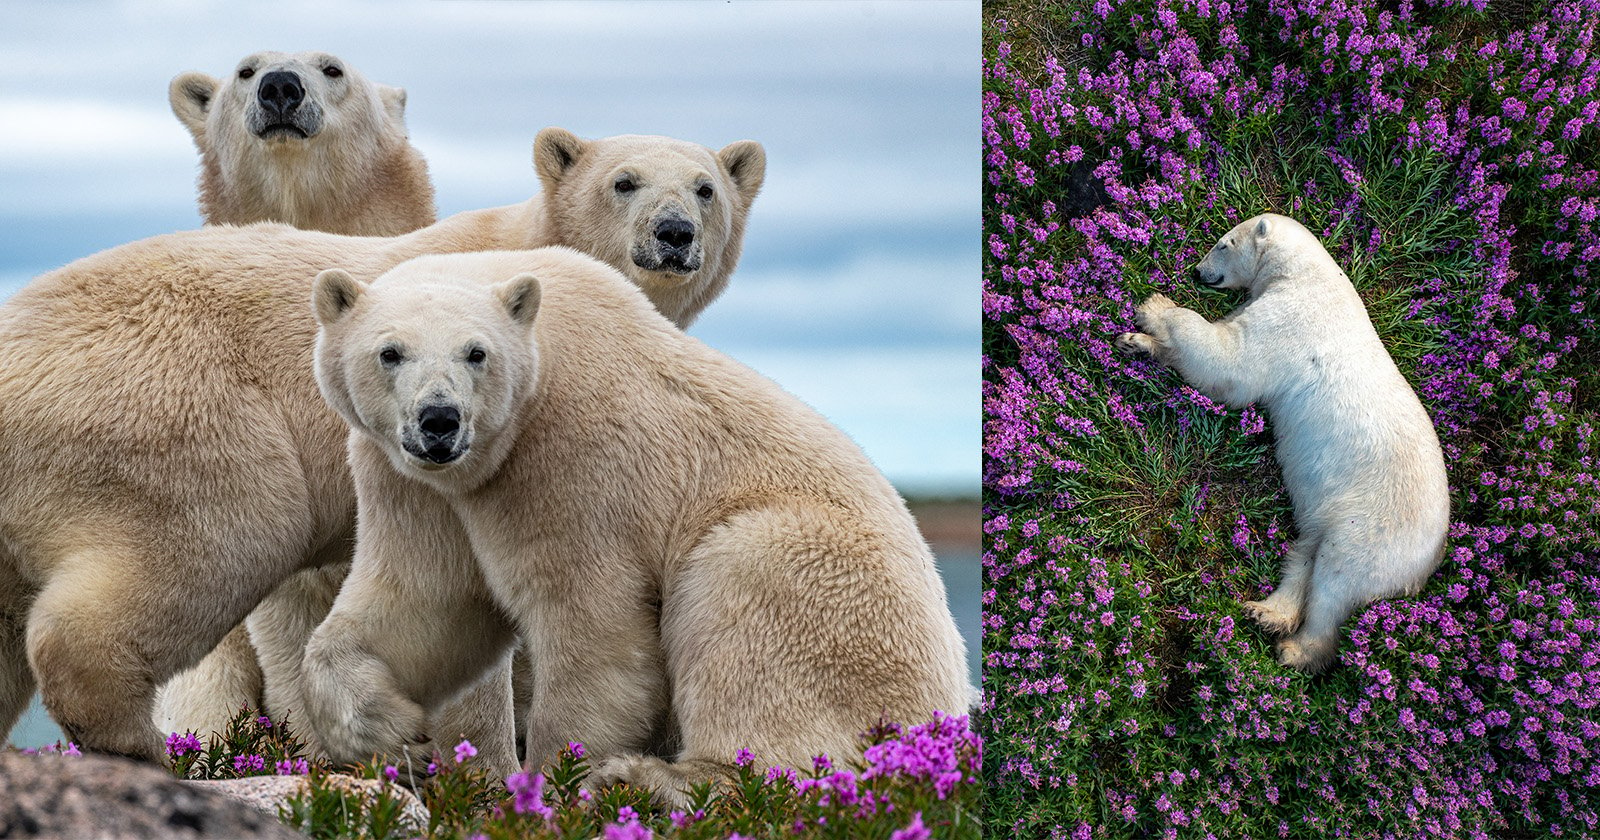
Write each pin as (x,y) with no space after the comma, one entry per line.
(190,95)
(745,162)
(333,293)
(394,103)
(520,297)
(1262,226)
(555,151)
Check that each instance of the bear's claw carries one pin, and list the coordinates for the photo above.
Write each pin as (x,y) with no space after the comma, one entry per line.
(1310,658)
(1271,619)
(1136,343)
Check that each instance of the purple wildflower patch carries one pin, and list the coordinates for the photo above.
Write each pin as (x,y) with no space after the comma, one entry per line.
(1445,155)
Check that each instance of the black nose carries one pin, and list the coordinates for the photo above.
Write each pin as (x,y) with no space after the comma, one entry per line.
(674,233)
(439,422)
(280,92)
(1194,275)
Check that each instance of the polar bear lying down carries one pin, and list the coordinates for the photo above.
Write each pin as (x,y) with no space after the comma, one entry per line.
(692,555)
(1360,458)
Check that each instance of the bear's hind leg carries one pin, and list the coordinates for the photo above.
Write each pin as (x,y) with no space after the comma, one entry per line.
(792,630)
(1336,589)
(205,698)
(99,643)
(1281,612)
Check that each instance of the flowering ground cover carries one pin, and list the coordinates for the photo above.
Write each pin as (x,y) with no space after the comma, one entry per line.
(910,783)
(1449,155)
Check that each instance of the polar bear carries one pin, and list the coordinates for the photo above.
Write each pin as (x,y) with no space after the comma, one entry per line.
(1360,458)
(180,462)
(304,139)
(673,213)
(682,544)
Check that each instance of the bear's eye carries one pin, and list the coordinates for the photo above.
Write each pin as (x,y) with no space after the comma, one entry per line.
(704,192)
(246,72)
(389,356)
(476,356)
(625,185)
(332,72)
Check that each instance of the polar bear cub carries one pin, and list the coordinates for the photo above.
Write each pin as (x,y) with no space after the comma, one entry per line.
(693,556)
(1360,458)
(304,139)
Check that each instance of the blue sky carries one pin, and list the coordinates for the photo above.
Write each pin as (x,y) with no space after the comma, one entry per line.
(858,289)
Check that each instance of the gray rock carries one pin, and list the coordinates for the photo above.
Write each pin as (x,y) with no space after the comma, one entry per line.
(265,793)
(100,798)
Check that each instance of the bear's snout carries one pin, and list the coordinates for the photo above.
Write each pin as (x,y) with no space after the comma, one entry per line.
(675,233)
(672,247)
(280,93)
(439,425)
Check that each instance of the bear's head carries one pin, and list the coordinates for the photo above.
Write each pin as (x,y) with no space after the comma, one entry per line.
(428,363)
(1252,250)
(670,213)
(282,102)
(1233,262)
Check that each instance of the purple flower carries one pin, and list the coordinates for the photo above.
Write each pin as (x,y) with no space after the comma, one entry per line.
(915,830)
(527,791)
(627,827)
(179,745)
(248,763)
(464,751)
(289,767)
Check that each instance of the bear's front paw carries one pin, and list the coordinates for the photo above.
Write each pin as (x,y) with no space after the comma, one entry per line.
(1136,343)
(1148,315)
(354,723)
(1271,619)
(1308,657)
(666,786)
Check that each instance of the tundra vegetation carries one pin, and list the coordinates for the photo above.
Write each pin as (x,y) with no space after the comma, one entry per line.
(1445,153)
(911,783)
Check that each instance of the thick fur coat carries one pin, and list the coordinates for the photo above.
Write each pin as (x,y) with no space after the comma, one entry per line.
(304,139)
(1360,457)
(180,463)
(698,562)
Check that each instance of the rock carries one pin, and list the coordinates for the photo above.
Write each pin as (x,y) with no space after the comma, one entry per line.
(266,793)
(116,799)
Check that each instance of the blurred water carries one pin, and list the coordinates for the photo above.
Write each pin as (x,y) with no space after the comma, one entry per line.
(961,580)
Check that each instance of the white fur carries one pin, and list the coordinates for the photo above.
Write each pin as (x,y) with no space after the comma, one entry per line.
(1359,455)
(356,173)
(180,464)
(698,562)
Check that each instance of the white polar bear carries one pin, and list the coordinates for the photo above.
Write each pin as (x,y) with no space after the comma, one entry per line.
(304,139)
(693,556)
(180,463)
(1360,458)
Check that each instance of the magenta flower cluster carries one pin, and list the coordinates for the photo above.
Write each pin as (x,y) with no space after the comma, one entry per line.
(1446,152)
(181,744)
